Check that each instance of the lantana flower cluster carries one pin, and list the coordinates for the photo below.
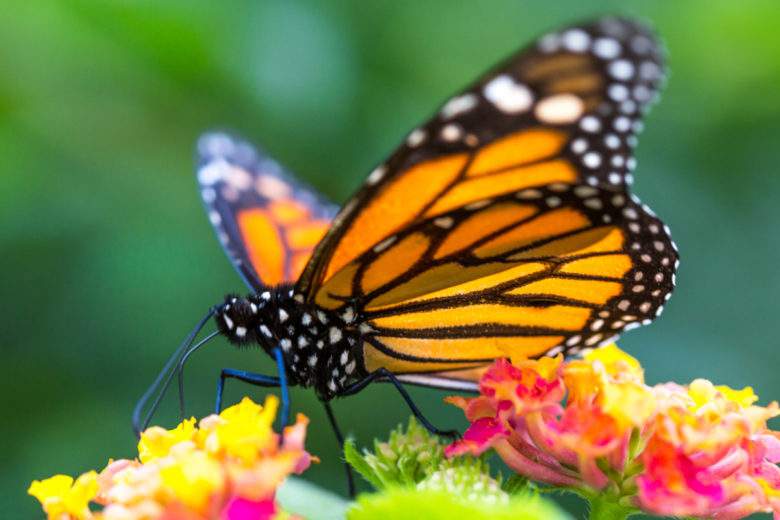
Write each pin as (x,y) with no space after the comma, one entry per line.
(226,467)
(592,425)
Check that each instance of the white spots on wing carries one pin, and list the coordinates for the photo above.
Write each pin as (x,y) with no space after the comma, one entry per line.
(590,124)
(507,95)
(592,160)
(579,145)
(549,42)
(477,205)
(585,191)
(209,195)
(272,188)
(621,69)
(451,132)
(265,331)
(617,92)
(553,202)
(529,194)
(559,109)
(459,105)
(575,40)
(384,244)
(416,137)
(377,174)
(606,48)
(594,204)
(348,315)
(444,222)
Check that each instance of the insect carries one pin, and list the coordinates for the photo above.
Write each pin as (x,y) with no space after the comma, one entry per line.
(503,226)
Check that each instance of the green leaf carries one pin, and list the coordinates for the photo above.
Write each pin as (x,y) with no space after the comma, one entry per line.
(358,462)
(309,501)
(407,503)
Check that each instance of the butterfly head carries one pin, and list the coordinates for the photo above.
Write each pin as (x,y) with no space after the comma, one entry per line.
(240,318)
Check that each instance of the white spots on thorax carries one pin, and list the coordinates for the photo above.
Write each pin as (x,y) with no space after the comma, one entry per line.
(306,319)
(265,331)
(507,95)
(283,315)
(559,109)
(286,344)
(228,322)
(265,295)
(240,332)
(334,335)
(303,342)
(344,357)
(312,361)
(322,317)
(459,105)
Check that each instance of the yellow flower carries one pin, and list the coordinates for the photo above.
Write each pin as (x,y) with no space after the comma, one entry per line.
(156,441)
(227,467)
(193,478)
(243,431)
(61,497)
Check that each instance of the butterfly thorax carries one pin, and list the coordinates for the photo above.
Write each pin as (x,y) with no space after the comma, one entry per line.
(320,347)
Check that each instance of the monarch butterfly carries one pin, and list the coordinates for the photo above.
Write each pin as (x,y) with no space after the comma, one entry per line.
(501,227)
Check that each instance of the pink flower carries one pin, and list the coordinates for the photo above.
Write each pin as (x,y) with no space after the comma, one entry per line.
(593,424)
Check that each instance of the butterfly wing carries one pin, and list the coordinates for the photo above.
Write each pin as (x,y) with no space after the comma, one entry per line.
(267,221)
(503,226)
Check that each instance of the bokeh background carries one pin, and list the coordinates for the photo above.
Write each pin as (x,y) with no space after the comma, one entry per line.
(108,259)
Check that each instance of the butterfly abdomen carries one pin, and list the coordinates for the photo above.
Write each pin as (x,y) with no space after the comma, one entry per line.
(320,347)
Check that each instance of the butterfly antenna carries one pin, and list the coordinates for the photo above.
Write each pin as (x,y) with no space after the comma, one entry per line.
(180,369)
(161,379)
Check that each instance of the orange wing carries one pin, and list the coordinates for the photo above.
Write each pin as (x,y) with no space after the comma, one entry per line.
(267,221)
(504,226)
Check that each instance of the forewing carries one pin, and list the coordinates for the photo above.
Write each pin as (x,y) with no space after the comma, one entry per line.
(564,110)
(267,221)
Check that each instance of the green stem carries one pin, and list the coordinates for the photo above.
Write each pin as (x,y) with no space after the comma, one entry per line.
(602,508)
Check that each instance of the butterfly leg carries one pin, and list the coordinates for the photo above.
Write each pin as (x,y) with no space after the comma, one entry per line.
(247,377)
(340,439)
(383,374)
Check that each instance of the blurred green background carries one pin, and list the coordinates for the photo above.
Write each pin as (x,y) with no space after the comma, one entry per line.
(108,259)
